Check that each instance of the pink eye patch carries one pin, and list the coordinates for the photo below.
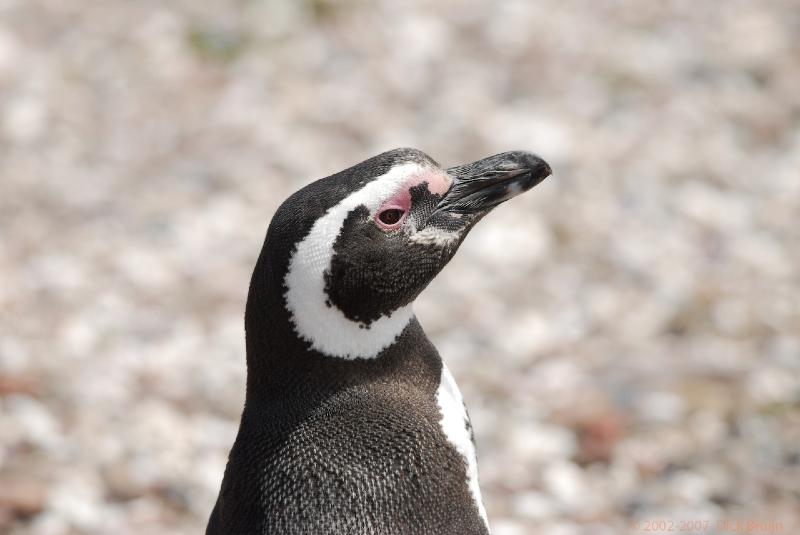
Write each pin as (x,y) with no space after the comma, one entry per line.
(394,211)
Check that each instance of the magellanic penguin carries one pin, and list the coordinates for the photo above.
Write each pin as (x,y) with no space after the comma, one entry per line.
(352,423)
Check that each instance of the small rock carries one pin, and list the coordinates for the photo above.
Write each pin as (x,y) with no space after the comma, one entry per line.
(533,505)
(20,499)
(565,481)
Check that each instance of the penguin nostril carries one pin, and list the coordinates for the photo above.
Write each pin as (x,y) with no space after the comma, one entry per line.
(391,216)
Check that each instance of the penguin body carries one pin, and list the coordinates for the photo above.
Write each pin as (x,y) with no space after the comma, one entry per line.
(352,423)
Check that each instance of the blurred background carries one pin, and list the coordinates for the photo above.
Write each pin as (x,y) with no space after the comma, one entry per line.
(626,335)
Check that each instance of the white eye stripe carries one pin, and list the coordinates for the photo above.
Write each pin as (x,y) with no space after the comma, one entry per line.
(324,326)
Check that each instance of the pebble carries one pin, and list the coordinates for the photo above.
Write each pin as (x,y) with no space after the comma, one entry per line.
(566,483)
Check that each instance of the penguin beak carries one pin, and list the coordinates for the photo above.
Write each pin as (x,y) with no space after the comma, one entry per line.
(480,186)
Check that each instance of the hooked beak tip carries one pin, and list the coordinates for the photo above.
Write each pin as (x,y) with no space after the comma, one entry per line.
(482,185)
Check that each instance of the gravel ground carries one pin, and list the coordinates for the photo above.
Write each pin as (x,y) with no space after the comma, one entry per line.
(627,335)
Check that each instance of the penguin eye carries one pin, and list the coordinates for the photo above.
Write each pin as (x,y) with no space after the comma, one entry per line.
(391,217)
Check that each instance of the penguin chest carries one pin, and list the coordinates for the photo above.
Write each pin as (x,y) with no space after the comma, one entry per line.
(378,459)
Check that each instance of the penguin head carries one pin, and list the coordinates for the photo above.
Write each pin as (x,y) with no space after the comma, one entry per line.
(350,252)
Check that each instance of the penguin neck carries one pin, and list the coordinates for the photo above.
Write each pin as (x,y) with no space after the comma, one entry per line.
(282,365)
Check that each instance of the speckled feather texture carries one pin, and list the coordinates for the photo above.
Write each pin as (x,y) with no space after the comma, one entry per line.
(352,423)
(365,456)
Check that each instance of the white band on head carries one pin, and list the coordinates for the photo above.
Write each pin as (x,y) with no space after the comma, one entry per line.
(324,326)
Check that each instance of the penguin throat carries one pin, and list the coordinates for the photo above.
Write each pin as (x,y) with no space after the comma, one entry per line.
(314,318)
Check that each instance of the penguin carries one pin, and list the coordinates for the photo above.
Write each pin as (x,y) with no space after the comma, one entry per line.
(352,423)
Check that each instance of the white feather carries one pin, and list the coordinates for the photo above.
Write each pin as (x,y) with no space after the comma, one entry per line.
(434,236)
(454,424)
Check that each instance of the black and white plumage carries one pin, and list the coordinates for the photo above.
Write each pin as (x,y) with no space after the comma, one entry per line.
(352,423)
